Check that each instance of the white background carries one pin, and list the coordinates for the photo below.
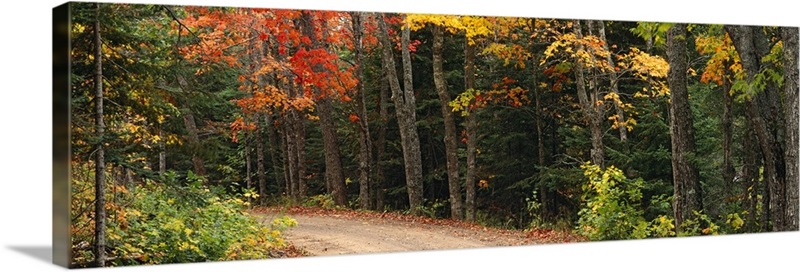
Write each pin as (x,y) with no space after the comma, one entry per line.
(26,139)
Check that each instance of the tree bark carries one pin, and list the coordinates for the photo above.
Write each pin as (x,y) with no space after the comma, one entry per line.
(248,161)
(260,167)
(100,162)
(380,144)
(450,140)
(295,147)
(162,152)
(728,172)
(790,88)
(748,48)
(687,194)
(334,176)
(591,107)
(274,150)
(405,107)
(472,141)
(364,141)
(333,161)
(291,155)
(198,164)
(750,166)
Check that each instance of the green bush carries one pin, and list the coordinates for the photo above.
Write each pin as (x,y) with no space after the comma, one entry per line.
(174,223)
(611,205)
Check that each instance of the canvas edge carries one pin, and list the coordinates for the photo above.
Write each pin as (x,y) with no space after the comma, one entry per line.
(61,150)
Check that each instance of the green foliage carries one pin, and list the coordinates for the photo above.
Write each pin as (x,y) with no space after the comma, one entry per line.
(700,224)
(656,32)
(663,226)
(611,208)
(534,210)
(162,223)
(433,209)
(283,223)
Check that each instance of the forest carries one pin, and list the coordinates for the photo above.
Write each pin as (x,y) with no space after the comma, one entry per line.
(183,118)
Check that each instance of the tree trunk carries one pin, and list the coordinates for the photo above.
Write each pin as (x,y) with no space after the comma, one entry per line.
(472,141)
(540,149)
(405,107)
(300,145)
(450,140)
(198,164)
(100,161)
(291,157)
(747,46)
(687,195)
(613,78)
(773,115)
(162,153)
(591,107)
(260,167)
(380,145)
(248,161)
(790,88)
(333,161)
(334,177)
(364,142)
(728,171)
(750,166)
(274,150)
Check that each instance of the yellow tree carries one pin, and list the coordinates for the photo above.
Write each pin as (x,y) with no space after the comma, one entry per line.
(475,29)
(590,57)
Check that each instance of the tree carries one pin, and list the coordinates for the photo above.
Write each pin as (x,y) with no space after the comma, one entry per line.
(364,142)
(749,42)
(790,70)
(333,162)
(405,108)
(472,139)
(450,142)
(613,79)
(687,197)
(591,103)
(100,162)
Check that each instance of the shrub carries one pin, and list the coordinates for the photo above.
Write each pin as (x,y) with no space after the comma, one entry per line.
(611,205)
(173,223)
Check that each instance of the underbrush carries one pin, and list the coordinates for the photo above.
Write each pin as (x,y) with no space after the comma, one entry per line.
(171,222)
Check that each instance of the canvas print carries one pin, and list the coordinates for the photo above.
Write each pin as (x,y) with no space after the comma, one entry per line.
(204,134)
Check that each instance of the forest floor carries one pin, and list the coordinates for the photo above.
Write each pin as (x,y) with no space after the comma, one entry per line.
(334,232)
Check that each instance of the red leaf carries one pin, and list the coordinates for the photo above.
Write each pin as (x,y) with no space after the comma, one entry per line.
(354,118)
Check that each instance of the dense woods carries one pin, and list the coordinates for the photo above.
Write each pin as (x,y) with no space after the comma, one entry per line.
(182,117)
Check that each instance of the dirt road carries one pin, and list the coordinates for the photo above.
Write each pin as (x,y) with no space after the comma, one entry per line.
(335,234)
